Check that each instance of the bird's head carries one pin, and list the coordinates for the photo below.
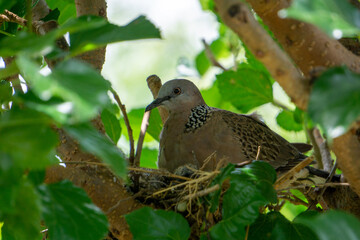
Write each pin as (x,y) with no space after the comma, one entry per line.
(177,95)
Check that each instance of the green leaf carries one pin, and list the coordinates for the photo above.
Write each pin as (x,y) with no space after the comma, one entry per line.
(83,89)
(53,15)
(70,214)
(332,225)
(335,100)
(10,176)
(249,189)
(135,118)
(95,37)
(214,197)
(329,15)
(275,226)
(147,223)
(111,124)
(286,120)
(27,137)
(28,43)
(6,5)
(66,7)
(155,125)
(5,91)
(219,48)
(245,89)
(149,158)
(202,63)
(24,222)
(258,170)
(95,143)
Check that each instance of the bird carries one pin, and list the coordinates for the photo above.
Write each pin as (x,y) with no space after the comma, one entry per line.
(194,131)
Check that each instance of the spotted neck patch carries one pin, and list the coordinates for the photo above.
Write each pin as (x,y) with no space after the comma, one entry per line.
(198,117)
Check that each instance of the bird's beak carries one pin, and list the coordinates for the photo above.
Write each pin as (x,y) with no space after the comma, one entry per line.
(157,102)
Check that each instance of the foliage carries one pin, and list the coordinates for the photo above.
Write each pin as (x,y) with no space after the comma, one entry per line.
(74,93)
(329,15)
(68,98)
(340,89)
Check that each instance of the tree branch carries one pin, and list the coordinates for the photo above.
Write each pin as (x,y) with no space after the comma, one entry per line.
(239,18)
(128,127)
(307,45)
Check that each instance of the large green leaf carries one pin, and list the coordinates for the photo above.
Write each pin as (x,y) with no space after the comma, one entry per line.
(69,213)
(102,34)
(27,137)
(83,89)
(147,223)
(24,221)
(28,43)
(250,188)
(111,124)
(329,15)
(275,226)
(335,100)
(95,143)
(332,225)
(286,120)
(245,88)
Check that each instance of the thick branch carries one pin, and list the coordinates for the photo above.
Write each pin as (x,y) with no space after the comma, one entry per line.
(307,45)
(239,18)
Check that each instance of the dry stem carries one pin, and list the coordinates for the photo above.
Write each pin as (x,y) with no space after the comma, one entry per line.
(128,127)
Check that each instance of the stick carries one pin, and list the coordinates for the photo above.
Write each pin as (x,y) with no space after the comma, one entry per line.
(202,192)
(211,56)
(144,126)
(127,123)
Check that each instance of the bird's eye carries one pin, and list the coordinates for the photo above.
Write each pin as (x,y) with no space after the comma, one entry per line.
(177,91)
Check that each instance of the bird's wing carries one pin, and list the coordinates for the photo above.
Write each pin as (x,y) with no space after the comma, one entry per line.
(251,133)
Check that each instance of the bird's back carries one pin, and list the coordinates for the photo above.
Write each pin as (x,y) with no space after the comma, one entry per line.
(233,137)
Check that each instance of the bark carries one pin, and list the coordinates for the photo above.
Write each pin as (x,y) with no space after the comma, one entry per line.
(95,58)
(238,17)
(103,187)
(308,47)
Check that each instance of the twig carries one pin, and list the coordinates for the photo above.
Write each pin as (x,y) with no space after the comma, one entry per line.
(290,174)
(128,127)
(211,56)
(247,232)
(135,169)
(206,177)
(258,153)
(315,185)
(121,201)
(8,16)
(317,154)
(324,150)
(202,192)
(144,126)
(294,200)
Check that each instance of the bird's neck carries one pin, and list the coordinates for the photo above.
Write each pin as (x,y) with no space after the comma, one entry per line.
(189,120)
